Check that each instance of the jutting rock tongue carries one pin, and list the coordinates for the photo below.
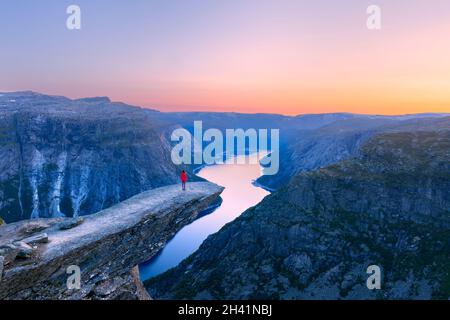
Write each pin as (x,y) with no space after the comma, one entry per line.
(106,246)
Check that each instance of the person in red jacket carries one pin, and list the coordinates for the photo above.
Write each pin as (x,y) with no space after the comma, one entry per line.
(184,179)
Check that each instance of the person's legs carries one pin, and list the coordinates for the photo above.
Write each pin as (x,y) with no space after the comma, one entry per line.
(183,185)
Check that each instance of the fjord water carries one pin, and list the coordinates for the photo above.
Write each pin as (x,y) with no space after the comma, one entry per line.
(239,195)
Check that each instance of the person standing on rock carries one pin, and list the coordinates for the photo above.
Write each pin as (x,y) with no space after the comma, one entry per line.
(184,179)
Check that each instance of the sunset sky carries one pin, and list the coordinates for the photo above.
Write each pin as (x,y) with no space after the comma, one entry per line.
(277,56)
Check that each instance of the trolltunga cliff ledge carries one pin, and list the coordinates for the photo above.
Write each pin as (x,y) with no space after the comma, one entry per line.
(107,246)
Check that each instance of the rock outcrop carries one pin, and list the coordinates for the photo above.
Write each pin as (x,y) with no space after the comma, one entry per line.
(35,256)
(316,237)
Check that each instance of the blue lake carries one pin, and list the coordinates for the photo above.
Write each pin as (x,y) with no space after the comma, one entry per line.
(239,195)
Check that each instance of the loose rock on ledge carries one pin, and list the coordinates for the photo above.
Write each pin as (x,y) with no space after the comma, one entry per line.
(70,224)
(25,250)
(40,238)
(33,227)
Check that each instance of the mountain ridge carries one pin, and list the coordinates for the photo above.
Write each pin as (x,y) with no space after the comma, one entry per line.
(315,237)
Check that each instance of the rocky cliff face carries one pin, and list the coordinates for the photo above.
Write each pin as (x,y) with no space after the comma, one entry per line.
(106,246)
(313,147)
(315,238)
(62,157)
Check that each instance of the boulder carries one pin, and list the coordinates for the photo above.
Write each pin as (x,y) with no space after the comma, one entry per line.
(33,227)
(70,223)
(25,250)
(39,238)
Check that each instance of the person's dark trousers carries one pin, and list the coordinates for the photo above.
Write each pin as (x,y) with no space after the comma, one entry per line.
(183,185)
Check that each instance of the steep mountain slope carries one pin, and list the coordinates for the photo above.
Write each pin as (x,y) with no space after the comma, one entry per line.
(307,142)
(316,148)
(75,157)
(315,238)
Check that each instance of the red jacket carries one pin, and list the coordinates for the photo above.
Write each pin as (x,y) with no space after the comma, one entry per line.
(184,177)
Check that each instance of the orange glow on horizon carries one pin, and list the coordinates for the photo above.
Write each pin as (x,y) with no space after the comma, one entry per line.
(384,74)
(287,57)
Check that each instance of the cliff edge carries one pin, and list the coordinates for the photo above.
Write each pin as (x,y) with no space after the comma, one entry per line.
(36,255)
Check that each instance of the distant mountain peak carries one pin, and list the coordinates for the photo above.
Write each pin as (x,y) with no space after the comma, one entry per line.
(25,93)
(95,100)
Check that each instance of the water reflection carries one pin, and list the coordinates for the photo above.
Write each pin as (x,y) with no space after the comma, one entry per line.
(239,195)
